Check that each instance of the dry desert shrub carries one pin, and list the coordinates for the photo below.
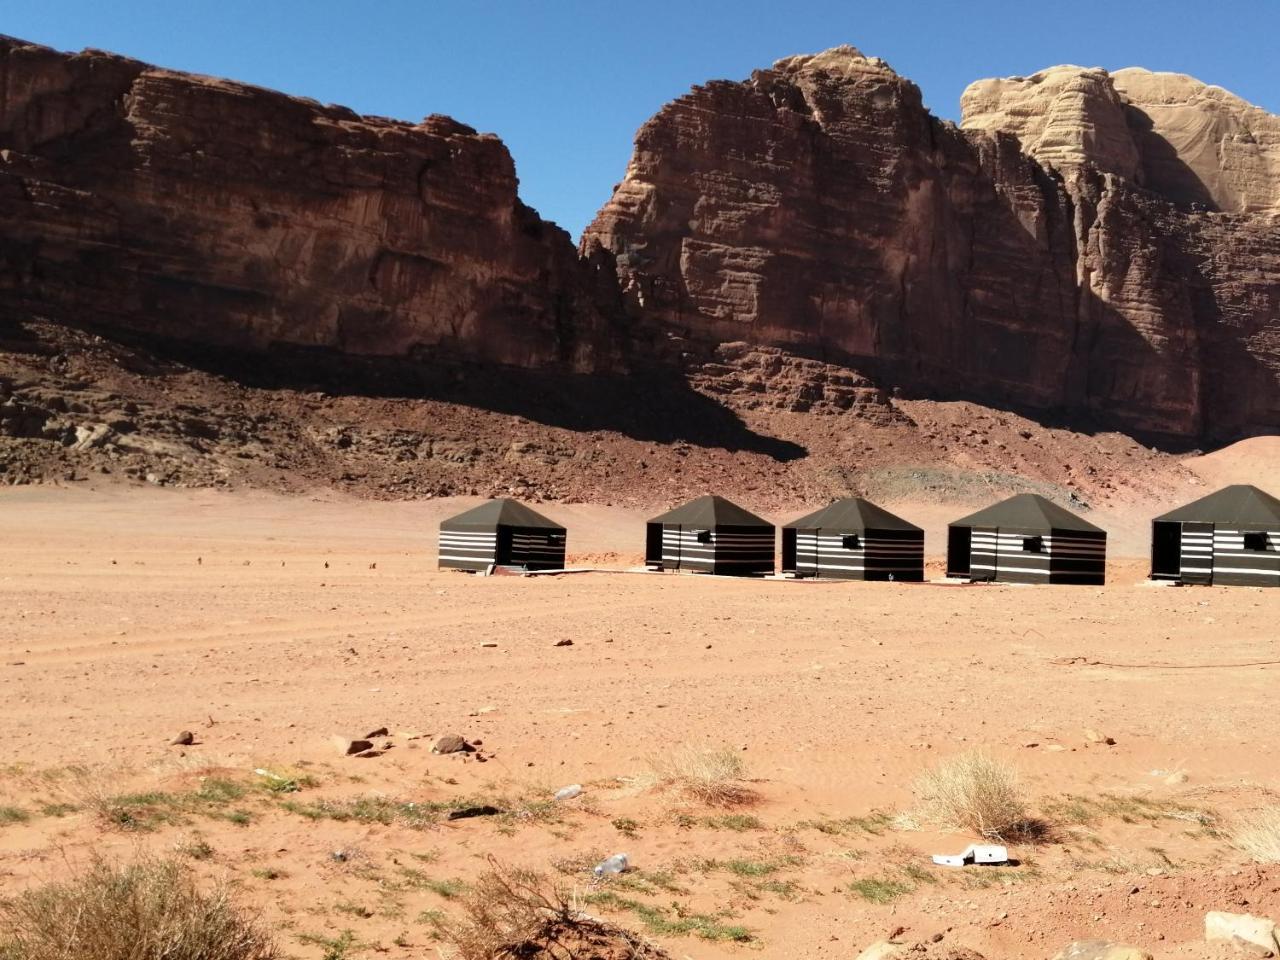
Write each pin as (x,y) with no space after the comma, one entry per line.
(710,776)
(977,792)
(1258,834)
(510,915)
(149,910)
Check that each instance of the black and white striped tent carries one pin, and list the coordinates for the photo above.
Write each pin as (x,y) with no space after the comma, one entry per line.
(1026,539)
(710,535)
(502,533)
(1230,537)
(853,539)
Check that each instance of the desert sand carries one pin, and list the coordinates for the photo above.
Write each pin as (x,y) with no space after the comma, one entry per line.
(269,625)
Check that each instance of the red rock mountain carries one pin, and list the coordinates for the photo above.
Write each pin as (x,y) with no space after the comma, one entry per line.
(194,208)
(1094,248)
(819,205)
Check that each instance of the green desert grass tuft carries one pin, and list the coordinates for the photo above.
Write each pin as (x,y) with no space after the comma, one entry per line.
(149,910)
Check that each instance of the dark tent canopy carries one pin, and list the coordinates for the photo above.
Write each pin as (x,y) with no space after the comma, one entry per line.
(710,535)
(853,539)
(1230,537)
(1028,511)
(501,533)
(853,513)
(1027,539)
(711,511)
(1240,503)
(501,512)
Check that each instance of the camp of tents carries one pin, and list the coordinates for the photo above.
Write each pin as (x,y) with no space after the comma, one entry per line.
(1231,537)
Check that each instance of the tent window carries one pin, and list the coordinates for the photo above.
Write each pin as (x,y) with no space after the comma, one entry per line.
(850,541)
(1033,544)
(1255,541)
(702,536)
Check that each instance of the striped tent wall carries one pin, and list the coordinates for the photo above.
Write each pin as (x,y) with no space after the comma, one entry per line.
(1255,563)
(720,549)
(877,555)
(1245,556)
(536,549)
(1027,556)
(467,550)
(1077,556)
(1197,553)
(1229,537)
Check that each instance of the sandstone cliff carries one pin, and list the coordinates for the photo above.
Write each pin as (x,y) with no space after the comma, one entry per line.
(1191,143)
(1093,248)
(1022,260)
(200,209)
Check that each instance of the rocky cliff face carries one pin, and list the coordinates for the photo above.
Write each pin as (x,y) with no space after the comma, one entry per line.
(1092,247)
(186,207)
(1026,259)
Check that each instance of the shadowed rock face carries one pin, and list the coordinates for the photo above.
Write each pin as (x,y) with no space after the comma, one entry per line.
(194,208)
(1018,260)
(1092,247)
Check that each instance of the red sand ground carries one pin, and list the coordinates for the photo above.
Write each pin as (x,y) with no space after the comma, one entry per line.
(267,625)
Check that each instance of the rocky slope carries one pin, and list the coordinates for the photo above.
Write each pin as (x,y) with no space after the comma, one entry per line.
(1028,259)
(139,199)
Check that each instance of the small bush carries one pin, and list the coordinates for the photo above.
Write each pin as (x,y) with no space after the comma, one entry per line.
(977,792)
(714,777)
(508,915)
(151,910)
(1258,835)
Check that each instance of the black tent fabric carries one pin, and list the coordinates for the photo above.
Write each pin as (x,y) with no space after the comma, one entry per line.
(853,513)
(1230,537)
(500,512)
(501,533)
(1027,511)
(1027,539)
(710,535)
(711,511)
(1240,503)
(853,539)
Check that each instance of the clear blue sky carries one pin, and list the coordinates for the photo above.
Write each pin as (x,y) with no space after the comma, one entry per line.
(566,82)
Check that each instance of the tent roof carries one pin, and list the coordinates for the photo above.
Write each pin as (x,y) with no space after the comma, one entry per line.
(711,511)
(501,512)
(1240,503)
(852,513)
(1030,511)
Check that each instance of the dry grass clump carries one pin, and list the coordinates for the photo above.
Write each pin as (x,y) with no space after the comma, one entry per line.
(508,915)
(1258,834)
(150,910)
(977,792)
(710,776)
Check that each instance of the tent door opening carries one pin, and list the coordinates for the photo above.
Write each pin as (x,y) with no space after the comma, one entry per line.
(502,548)
(958,549)
(1166,550)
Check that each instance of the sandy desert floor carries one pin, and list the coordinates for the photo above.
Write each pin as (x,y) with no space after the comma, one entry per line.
(268,626)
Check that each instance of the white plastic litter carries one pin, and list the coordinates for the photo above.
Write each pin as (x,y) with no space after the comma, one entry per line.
(615,864)
(569,792)
(975,853)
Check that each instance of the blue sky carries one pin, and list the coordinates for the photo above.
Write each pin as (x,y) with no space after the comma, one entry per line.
(567,83)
